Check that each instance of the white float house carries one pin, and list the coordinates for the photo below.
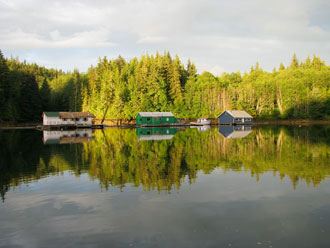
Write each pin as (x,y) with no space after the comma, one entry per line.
(80,119)
(83,118)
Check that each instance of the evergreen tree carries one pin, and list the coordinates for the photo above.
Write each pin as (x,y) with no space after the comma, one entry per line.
(45,97)
(4,85)
(29,102)
(294,62)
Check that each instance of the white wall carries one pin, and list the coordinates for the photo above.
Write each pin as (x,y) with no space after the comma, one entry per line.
(51,120)
(68,122)
(82,122)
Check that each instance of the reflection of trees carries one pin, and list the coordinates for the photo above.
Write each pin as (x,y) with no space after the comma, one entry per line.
(287,151)
(24,158)
(116,157)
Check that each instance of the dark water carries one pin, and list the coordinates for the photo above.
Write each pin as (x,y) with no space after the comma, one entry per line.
(260,187)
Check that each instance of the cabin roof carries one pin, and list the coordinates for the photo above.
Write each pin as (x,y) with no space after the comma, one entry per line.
(155,114)
(52,114)
(83,114)
(69,114)
(238,113)
(66,115)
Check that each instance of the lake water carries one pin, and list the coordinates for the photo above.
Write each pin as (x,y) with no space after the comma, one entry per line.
(195,187)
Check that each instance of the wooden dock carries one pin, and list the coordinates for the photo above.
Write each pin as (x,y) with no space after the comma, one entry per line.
(68,127)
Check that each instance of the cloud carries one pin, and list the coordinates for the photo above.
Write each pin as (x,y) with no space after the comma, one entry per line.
(88,39)
(151,40)
(230,34)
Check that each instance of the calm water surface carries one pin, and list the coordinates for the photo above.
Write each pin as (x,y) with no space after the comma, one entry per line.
(198,187)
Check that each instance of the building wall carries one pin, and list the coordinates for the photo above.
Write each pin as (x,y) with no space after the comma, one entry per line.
(225,118)
(68,121)
(155,120)
(50,121)
(82,122)
(242,120)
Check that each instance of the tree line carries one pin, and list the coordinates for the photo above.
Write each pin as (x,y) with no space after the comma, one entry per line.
(116,88)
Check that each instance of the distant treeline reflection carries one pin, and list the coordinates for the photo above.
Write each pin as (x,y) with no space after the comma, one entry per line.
(116,157)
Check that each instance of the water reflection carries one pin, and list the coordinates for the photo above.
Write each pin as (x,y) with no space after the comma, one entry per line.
(234,132)
(203,128)
(116,157)
(156,133)
(67,136)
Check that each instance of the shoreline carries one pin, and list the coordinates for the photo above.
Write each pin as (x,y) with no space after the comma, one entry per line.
(291,122)
(256,122)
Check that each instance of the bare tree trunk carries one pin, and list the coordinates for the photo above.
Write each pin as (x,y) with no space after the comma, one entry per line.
(105,113)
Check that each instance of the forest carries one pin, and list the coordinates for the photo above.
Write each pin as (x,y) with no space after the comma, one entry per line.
(119,89)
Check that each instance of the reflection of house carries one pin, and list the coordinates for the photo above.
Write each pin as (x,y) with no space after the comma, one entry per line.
(67,137)
(155,118)
(201,128)
(156,133)
(234,117)
(83,119)
(233,132)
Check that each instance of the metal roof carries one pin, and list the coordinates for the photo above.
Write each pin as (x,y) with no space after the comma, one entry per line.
(52,114)
(238,113)
(83,114)
(155,114)
(69,114)
(66,115)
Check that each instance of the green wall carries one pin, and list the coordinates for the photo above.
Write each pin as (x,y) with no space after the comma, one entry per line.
(155,120)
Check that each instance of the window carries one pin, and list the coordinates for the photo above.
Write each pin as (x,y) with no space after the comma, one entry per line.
(141,119)
(85,119)
(72,119)
(148,119)
(77,119)
(167,119)
(64,119)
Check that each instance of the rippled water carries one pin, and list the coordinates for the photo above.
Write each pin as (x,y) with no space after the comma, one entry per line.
(166,187)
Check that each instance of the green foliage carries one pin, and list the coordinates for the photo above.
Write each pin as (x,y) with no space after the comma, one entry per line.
(120,89)
(26,90)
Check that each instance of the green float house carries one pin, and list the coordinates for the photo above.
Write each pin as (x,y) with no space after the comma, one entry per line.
(155,118)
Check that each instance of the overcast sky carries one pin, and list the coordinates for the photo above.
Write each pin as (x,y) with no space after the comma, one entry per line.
(218,35)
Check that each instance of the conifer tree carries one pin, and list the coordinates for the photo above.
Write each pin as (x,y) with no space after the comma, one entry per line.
(4,84)
(294,62)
